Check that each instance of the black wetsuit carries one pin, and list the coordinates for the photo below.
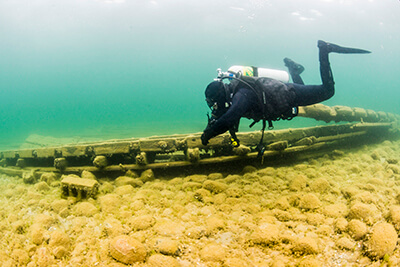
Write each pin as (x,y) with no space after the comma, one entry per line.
(245,102)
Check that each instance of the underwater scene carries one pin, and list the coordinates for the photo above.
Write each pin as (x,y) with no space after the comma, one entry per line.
(102,157)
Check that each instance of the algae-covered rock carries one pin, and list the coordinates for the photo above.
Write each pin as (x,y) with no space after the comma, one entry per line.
(88,175)
(141,222)
(191,186)
(202,194)
(157,260)
(60,205)
(341,225)
(85,209)
(167,246)
(214,186)
(305,246)
(298,183)
(249,169)
(147,175)
(213,252)
(395,216)
(48,177)
(127,250)
(30,177)
(124,190)
(320,185)
(345,243)
(215,176)
(357,229)
(169,228)
(309,202)
(335,210)
(267,234)
(37,234)
(21,257)
(59,238)
(132,174)
(363,212)
(106,188)
(382,241)
(214,223)
(42,186)
(125,180)
(100,162)
(110,203)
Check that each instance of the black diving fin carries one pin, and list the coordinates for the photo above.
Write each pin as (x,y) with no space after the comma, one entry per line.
(340,49)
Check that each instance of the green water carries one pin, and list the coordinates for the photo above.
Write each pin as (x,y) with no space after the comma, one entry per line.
(118,69)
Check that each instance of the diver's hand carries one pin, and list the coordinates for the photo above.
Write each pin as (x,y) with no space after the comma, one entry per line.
(204,139)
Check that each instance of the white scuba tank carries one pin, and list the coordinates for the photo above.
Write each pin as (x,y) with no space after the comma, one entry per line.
(279,75)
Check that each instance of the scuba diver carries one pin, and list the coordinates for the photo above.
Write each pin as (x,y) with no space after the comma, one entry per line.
(266,97)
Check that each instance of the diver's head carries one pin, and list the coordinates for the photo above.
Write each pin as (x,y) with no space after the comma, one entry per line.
(216,98)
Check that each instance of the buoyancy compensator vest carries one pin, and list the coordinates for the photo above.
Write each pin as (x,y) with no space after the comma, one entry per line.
(276,98)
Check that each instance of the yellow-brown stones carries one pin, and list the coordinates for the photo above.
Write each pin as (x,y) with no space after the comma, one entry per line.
(213,253)
(60,163)
(322,212)
(127,250)
(382,241)
(309,202)
(100,162)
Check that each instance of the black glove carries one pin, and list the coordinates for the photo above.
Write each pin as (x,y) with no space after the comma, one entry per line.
(204,139)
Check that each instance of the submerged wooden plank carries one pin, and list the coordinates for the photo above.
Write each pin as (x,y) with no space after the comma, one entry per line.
(73,151)
(112,148)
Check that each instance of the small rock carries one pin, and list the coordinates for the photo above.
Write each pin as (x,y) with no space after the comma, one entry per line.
(309,202)
(215,176)
(298,183)
(345,243)
(48,177)
(147,175)
(124,190)
(29,177)
(383,240)
(362,212)
(100,162)
(157,260)
(357,229)
(125,180)
(267,234)
(59,238)
(42,186)
(85,209)
(215,253)
(305,246)
(127,250)
(214,186)
(110,203)
(249,169)
(167,246)
(141,222)
(131,173)
(59,205)
(395,216)
(88,175)
(106,188)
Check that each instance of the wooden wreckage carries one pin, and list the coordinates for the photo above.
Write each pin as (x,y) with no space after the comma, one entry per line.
(352,126)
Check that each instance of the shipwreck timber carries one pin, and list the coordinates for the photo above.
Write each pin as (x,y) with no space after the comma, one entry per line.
(179,151)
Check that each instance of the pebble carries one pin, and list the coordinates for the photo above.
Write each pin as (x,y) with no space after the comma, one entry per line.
(127,250)
(85,209)
(309,202)
(382,241)
(213,252)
